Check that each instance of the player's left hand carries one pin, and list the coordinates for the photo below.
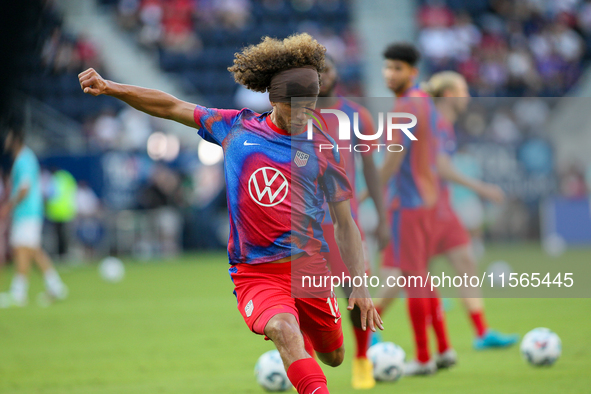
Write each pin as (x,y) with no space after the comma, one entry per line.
(369,316)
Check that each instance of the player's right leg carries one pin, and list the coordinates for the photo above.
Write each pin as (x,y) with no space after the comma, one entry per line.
(462,260)
(412,230)
(263,292)
(54,287)
(18,294)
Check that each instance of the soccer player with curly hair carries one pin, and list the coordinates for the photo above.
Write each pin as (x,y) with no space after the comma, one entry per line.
(274,206)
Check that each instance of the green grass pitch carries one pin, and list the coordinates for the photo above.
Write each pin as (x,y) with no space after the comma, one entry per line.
(173,327)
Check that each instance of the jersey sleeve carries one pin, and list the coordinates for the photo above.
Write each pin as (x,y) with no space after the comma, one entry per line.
(334,181)
(214,124)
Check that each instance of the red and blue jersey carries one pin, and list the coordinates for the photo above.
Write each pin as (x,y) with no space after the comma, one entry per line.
(417,182)
(346,148)
(447,143)
(276,184)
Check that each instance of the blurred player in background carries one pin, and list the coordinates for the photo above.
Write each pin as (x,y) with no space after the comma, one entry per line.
(417,188)
(265,243)
(451,96)
(362,374)
(26,206)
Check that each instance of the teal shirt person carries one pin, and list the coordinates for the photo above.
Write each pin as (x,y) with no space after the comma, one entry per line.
(26,173)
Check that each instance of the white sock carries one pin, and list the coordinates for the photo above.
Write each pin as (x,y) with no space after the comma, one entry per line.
(19,288)
(53,282)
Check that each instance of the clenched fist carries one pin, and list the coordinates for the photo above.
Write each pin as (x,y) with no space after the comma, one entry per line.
(92,83)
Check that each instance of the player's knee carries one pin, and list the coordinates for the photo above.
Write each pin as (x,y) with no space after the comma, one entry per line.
(282,330)
(334,358)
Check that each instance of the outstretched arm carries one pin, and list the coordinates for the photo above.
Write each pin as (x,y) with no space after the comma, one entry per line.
(151,101)
(485,190)
(349,242)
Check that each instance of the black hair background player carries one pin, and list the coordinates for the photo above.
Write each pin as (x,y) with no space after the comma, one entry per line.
(400,71)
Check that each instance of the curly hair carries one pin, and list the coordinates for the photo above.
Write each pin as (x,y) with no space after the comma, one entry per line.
(257,64)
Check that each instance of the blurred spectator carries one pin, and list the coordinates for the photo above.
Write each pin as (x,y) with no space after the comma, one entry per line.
(135,129)
(233,14)
(89,226)
(61,207)
(515,48)
(163,189)
(572,182)
(87,203)
(107,129)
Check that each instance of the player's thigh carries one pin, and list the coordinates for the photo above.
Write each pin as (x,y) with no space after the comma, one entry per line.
(448,232)
(262,292)
(320,320)
(462,259)
(412,236)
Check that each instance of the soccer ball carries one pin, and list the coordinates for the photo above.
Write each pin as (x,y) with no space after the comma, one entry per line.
(270,372)
(111,269)
(388,361)
(541,346)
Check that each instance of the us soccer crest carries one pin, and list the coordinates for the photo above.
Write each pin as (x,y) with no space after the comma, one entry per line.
(301,158)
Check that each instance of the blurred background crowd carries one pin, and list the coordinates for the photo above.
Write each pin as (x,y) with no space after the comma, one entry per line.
(139,186)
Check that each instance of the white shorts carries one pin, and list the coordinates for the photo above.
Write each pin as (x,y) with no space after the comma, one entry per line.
(26,233)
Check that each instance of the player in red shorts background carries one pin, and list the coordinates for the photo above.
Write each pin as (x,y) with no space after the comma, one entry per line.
(362,372)
(451,96)
(417,189)
(273,236)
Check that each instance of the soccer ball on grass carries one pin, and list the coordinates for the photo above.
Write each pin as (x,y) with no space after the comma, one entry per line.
(541,346)
(388,361)
(270,373)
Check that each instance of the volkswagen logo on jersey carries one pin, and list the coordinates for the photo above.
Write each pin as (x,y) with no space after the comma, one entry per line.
(301,158)
(268,186)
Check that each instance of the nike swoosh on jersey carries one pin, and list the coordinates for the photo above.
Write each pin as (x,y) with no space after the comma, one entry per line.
(246,143)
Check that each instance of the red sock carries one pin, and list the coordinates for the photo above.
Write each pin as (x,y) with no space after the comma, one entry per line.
(419,311)
(308,346)
(479,322)
(438,322)
(307,377)
(362,340)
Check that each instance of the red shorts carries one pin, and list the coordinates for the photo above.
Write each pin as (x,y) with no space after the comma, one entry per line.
(333,257)
(448,231)
(265,290)
(389,257)
(412,229)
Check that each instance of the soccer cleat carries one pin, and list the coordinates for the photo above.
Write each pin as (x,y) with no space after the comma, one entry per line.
(417,368)
(362,374)
(494,339)
(446,359)
(7,300)
(375,338)
(61,293)
(46,298)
